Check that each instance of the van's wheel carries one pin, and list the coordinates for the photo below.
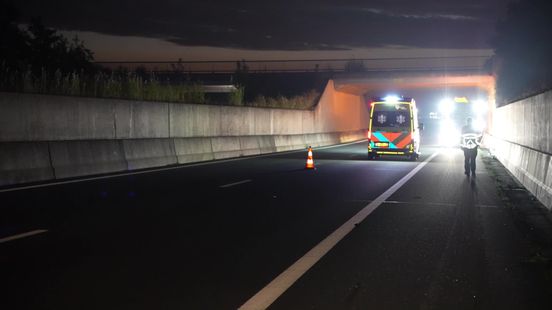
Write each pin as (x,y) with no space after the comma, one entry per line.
(414,157)
(371,156)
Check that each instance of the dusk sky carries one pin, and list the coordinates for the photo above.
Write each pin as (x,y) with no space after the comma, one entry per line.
(216,29)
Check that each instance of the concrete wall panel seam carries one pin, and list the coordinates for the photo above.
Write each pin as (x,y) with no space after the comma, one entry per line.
(169,106)
(50,159)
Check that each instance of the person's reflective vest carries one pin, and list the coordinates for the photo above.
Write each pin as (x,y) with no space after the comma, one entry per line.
(470,138)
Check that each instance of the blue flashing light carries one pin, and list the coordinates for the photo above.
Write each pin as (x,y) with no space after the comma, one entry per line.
(391,99)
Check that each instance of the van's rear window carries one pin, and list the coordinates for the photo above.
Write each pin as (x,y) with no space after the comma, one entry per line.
(391,116)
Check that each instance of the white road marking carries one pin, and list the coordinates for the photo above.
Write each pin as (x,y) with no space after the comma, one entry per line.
(23,235)
(182,166)
(235,183)
(281,283)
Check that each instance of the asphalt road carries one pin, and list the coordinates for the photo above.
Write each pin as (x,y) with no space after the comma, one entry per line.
(213,236)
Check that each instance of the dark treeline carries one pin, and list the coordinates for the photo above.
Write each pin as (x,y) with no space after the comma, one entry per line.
(38,59)
(31,46)
(523,50)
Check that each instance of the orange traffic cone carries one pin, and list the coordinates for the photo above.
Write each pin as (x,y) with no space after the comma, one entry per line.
(310,161)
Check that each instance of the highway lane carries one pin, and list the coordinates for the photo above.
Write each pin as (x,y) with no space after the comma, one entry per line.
(443,241)
(175,238)
(212,236)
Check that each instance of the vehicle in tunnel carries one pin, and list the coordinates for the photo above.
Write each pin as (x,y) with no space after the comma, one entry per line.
(394,128)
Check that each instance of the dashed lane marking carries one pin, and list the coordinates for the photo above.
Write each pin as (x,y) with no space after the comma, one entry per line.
(235,183)
(23,235)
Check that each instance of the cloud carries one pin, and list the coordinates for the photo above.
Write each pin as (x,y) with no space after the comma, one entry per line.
(282,25)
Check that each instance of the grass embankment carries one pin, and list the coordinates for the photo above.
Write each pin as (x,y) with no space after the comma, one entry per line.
(134,86)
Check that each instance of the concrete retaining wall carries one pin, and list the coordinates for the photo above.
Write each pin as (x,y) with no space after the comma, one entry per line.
(46,137)
(521,140)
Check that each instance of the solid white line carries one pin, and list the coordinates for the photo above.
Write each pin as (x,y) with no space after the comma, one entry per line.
(235,183)
(182,166)
(23,235)
(280,284)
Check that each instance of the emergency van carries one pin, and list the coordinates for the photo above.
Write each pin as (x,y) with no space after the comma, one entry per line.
(393,128)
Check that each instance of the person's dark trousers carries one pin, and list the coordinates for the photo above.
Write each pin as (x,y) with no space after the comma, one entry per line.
(469,160)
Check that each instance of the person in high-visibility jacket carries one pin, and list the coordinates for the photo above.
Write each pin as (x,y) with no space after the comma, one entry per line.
(470,142)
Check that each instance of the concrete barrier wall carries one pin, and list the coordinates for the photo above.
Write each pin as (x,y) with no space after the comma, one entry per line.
(46,137)
(526,122)
(74,158)
(521,140)
(25,161)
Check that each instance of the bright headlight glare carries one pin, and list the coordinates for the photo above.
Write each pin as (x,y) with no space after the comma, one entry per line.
(446,106)
(479,107)
(479,124)
(449,134)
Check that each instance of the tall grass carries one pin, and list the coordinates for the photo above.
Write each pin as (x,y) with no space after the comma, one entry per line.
(135,86)
(122,85)
(303,102)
